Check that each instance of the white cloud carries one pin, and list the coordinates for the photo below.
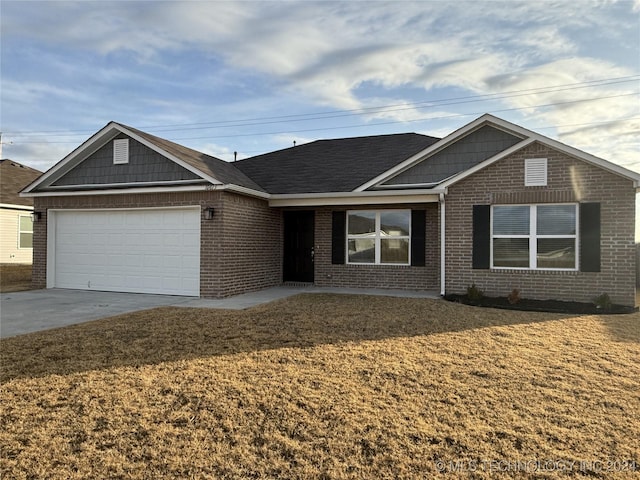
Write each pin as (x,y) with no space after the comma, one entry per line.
(40,156)
(215,150)
(326,53)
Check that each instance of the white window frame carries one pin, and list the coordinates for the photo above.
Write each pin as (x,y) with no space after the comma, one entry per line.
(534,237)
(121,143)
(20,232)
(378,237)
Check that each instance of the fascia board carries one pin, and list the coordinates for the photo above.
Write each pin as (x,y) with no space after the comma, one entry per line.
(499,156)
(160,189)
(562,147)
(99,138)
(528,138)
(427,152)
(355,198)
(13,206)
(117,191)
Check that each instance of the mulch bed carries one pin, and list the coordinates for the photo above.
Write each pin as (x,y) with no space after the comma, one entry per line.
(553,306)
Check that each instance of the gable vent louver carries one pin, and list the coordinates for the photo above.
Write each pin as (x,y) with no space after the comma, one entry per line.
(121,151)
(535,172)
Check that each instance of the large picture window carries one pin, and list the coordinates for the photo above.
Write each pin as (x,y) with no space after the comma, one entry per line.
(25,231)
(379,237)
(535,236)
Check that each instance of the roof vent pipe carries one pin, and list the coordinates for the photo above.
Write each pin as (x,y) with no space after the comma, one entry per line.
(235,156)
(294,143)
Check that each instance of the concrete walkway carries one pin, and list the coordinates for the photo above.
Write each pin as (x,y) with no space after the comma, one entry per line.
(36,310)
(247,300)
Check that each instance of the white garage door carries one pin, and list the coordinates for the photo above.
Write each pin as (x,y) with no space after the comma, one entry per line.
(141,251)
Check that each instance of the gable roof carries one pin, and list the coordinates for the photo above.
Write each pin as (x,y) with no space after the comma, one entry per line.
(338,165)
(13,178)
(357,166)
(224,172)
(527,136)
(209,168)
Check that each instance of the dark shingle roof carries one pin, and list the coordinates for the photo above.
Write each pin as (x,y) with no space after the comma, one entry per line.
(339,165)
(13,178)
(223,171)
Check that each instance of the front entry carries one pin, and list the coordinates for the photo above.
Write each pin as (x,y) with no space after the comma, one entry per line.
(298,246)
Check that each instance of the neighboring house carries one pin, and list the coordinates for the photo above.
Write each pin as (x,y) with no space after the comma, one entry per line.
(16,226)
(492,204)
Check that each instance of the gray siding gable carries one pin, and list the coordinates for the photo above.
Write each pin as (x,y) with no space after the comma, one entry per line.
(145,165)
(465,153)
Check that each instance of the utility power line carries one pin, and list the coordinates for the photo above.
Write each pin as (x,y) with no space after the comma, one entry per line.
(305,117)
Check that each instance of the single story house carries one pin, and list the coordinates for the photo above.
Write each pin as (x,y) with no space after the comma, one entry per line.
(492,204)
(16,226)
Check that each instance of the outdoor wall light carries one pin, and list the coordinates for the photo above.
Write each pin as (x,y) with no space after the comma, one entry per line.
(36,216)
(208,213)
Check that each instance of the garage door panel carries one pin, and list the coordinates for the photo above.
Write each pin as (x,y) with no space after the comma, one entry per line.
(145,251)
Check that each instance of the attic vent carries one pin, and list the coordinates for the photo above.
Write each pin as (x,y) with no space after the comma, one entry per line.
(121,151)
(535,172)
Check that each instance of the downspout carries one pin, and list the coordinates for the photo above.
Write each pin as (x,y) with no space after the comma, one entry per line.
(442,244)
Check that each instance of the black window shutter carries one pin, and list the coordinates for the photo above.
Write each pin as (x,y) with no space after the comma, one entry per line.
(418,237)
(338,237)
(481,236)
(590,237)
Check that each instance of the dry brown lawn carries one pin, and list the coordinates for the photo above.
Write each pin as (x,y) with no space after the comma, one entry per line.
(14,278)
(324,386)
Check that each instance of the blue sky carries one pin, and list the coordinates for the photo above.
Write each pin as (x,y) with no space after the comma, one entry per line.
(253,77)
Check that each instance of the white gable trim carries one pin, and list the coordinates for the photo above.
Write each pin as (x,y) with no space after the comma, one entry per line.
(528,137)
(429,151)
(486,163)
(572,151)
(161,189)
(97,141)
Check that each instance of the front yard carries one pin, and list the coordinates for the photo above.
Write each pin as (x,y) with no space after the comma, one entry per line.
(14,277)
(324,386)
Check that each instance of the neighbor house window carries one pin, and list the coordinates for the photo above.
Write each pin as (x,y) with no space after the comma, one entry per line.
(535,236)
(379,237)
(25,231)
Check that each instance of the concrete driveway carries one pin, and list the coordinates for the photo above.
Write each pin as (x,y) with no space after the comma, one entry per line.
(34,310)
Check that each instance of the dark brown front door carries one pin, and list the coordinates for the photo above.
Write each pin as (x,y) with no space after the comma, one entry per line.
(298,246)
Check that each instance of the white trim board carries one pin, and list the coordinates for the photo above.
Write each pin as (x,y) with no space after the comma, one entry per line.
(528,137)
(97,141)
(125,191)
(12,206)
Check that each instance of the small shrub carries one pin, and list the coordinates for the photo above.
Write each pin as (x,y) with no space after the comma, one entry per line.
(514,297)
(474,293)
(603,302)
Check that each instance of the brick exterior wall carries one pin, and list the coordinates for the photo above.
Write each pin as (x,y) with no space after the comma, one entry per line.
(251,245)
(377,276)
(569,180)
(240,247)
